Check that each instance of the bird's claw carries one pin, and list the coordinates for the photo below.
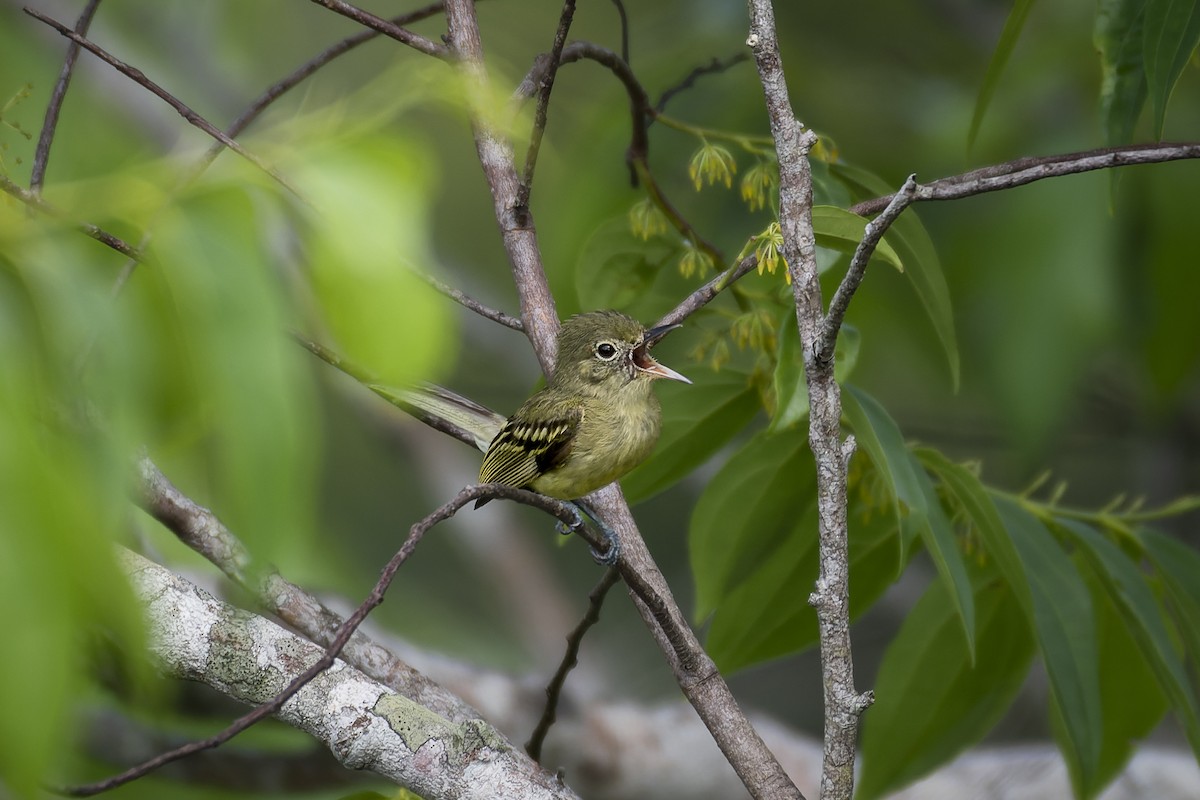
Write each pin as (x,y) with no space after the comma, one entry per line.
(606,557)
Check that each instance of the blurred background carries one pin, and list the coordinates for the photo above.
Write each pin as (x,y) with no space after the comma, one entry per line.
(1075,306)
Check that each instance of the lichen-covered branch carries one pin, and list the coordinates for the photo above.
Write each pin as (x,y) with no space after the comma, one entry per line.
(194,636)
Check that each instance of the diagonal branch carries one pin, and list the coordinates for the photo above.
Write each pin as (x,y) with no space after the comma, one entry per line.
(570,658)
(34,201)
(41,156)
(873,234)
(389,29)
(564,511)
(138,77)
(714,67)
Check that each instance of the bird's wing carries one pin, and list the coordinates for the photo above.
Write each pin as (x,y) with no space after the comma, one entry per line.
(530,445)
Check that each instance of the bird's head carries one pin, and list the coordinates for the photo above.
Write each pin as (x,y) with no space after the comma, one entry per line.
(603,346)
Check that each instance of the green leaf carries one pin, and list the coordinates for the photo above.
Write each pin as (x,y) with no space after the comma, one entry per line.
(1143,618)
(972,497)
(250,390)
(615,267)
(698,420)
(1170,34)
(1118,39)
(932,701)
(368,234)
(791,388)
(1131,700)
(878,435)
(922,266)
(1008,40)
(842,230)
(938,536)
(749,506)
(768,615)
(1178,566)
(1065,627)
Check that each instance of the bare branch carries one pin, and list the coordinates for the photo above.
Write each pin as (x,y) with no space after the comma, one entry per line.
(507,320)
(842,704)
(195,636)
(138,77)
(305,70)
(570,658)
(713,67)
(41,155)
(873,234)
(624,29)
(1027,170)
(699,298)
(563,511)
(389,29)
(545,86)
(32,200)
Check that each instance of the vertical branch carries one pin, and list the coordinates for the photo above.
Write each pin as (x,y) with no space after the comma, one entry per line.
(694,670)
(843,704)
(41,156)
(495,152)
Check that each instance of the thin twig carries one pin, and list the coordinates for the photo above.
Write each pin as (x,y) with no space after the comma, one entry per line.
(699,298)
(389,29)
(507,320)
(1021,171)
(570,658)
(624,29)
(305,70)
(873,234)
(138,77)
(564,511)
(99,234)
(41,156)
(717,65)
(545,86)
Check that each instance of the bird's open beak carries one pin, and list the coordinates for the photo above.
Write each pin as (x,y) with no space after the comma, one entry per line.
(646,363)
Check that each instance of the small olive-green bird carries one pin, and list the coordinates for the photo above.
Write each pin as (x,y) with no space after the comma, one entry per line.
(596,419)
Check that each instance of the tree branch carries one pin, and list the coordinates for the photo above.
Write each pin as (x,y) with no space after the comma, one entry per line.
(831,598)
(713,67)
(34,201)
(570,658)
(464,300)
(545,86)
(139,77)
(197,637)
(389,29)
(1027,170)
(694,671)
(699,298)
(41,155)
(873,234)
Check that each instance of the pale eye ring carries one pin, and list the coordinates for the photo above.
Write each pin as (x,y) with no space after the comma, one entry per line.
(606,350)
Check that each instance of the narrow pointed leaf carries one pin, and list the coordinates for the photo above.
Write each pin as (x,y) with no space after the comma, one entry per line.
(842,230)
(1118,40)
(921,264)
(1008,40)
(1143,617)
(1169,36)
(750,506)
(768,615)
(932,701)
(1065,628)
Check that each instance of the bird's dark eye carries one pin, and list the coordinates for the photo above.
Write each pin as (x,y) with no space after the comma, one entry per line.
(606,350)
